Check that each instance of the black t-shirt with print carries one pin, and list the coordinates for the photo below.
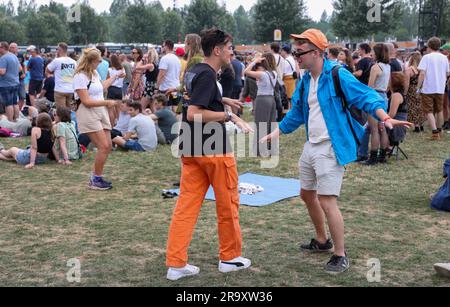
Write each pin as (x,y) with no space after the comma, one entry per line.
(365,64)
(203,139)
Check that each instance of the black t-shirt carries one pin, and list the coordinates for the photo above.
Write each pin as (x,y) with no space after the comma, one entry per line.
(395,66)
(227,81)
(203,139)
(365,64)
(49,86)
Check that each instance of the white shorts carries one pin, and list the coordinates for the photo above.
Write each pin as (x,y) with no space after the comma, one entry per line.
(319,169)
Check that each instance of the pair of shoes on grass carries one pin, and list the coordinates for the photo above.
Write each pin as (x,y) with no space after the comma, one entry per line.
(237,264)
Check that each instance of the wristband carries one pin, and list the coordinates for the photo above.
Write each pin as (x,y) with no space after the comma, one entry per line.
(386,119)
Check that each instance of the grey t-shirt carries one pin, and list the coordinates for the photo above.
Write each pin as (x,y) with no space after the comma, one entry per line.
(12,65)
(145,129)
(166,119)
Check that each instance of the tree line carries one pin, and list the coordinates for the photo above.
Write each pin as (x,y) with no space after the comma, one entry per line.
(141,21)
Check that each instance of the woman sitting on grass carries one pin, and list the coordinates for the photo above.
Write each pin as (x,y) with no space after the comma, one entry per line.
(66,146)
(41,145)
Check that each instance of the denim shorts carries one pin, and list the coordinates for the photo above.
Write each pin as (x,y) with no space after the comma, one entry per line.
(134,146)
(9,95)
(24,157)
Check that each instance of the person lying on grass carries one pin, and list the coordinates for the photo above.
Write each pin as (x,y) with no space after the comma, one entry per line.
(41,145)
(143,127)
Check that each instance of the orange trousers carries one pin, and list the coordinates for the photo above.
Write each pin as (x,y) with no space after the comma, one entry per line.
(198,173)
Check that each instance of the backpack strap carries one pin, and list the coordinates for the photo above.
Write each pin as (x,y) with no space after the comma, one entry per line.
(345,106)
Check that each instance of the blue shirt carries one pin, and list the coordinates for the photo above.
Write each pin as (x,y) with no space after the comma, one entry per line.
(9,62)
(359,95)
(102,70)
(36,68)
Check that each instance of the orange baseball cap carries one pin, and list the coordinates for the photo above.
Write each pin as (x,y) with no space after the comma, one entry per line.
(316,37)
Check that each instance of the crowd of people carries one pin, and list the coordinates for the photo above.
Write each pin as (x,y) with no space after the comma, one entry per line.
(132,102)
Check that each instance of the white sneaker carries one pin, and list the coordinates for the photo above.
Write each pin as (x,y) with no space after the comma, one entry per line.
(443,269)
(237,264)
(178,273)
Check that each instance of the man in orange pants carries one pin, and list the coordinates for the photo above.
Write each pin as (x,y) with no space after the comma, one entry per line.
(207,159)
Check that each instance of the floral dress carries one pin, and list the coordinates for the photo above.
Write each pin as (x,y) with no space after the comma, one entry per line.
(137,86)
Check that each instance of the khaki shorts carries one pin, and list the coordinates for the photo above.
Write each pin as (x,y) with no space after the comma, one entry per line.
(432,103)
(63,99)
(93,119)
(319,169)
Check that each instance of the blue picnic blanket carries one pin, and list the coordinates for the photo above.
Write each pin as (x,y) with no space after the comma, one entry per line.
(275,189)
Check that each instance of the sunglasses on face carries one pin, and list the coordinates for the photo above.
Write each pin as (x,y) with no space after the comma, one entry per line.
(298,54)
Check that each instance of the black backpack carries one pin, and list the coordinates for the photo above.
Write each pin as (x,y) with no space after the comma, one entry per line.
(358,115)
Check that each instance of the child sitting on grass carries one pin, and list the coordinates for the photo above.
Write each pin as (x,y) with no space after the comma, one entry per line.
(41,145)
(140,126)
(66,146)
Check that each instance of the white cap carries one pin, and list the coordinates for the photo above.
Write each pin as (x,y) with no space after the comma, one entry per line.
(31,48)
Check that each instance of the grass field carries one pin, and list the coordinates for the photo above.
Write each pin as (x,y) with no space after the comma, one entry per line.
(48,216)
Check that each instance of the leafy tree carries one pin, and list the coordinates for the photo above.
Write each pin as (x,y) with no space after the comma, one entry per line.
(244,31)
(287,15)
(92,28)
(10,30)
(142,23)
(350,18)
(202,14)
(173,25)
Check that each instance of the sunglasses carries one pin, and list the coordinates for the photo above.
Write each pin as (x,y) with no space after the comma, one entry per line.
(298,54)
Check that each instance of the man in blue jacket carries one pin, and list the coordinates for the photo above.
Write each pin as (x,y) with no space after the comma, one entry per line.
(331,143)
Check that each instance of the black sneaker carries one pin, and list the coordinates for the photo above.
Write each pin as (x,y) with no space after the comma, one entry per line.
(337,265)
(317,247)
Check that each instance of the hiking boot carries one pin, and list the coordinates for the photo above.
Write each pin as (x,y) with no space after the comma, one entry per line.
(174,274)
(436,136)
(337,265)
(99,184)
(443,269)
(317,247)
(237,264)
(373,160)
(382,156)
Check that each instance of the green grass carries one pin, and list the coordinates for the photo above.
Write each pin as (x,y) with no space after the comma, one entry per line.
(48,216)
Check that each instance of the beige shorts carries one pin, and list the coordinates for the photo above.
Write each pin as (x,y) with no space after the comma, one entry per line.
(319,169)
(63,99)
(93,119)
